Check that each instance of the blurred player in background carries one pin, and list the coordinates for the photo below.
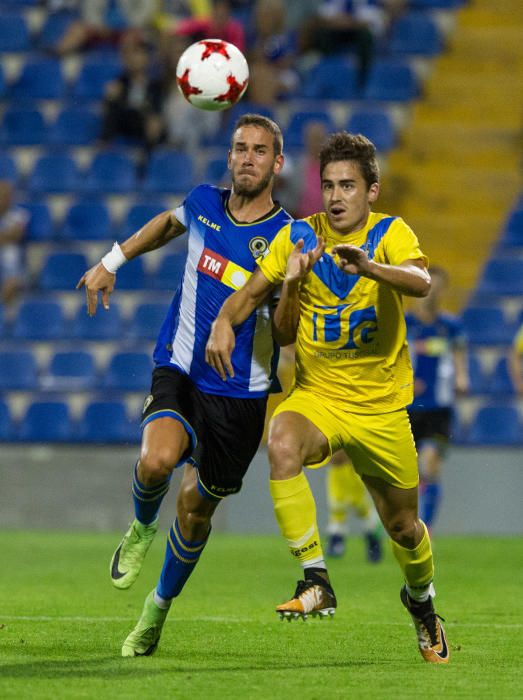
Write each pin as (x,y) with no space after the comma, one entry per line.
(346,270)
(13,224)
(515,363)
(438,352)
(192,417)
(345,492)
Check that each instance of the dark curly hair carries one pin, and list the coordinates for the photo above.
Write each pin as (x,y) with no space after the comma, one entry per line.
(345,146)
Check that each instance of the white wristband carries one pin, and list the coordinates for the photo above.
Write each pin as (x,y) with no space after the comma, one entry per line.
(114,259)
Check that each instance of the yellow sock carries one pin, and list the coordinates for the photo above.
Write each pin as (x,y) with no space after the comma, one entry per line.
(417,564)
(295,512)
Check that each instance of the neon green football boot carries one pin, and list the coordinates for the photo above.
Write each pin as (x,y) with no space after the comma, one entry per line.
(144,638)
(127,561)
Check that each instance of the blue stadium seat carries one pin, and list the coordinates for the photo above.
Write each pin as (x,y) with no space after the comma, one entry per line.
(169,171)
(502,276)
(8,168)
(75,127)
(169,272)
(3,87)
(23,127)
(147,320)
(376,125)
(87,220)
(332,78)
(391,80)
(500,382)
(477,379)
(138,215)
(104,325)
(54,173)
(111,171)
(132,275)
(513,230)
(39,320)
(496,425)
(14,33)
(18,371)
(40,226)
(216,171)
(70,371)
(46,421)
(129,371)
(294,133)
(94,75)
(62,271)
(416,33)
(486,325)
(6,423)
(54,28)
(2,320)
(107,422)
(40,79)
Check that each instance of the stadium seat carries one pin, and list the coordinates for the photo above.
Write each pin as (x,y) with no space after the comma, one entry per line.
(8,168)
(70,371)
(332,78)
(40,79)
(376,125)
(6,423)
(87,220)
(138,215)
(129,371)
(500,381)
(513,230)
(111,171)
(46,421)
(293,134)
(416,33)
(147,320)
(104,325)
(486,325)
(169,171)
(94,75)
(23,127)
(40,226)
(54,28)
(107,422)
(477,379)
(391,80)
(503,276)
(39,320)
(132,275)
(3,87)
(2,320)
(14,33)
(18,371)
(62,271)
(75,127)
(216,171)
(54,173)
(496,425)
(169,272)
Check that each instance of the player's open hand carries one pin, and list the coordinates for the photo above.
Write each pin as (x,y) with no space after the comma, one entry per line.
(220,345)
(299,263)
(96,280)
(351,259)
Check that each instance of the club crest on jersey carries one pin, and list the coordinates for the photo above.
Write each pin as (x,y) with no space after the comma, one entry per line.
(258,246)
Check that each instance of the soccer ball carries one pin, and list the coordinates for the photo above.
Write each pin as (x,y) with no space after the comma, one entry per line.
(212,74)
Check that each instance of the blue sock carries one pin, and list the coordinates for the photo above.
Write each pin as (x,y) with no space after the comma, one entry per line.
(181,557)
(430,502)
(147,499)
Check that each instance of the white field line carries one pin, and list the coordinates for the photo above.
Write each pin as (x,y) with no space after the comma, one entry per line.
(237,620)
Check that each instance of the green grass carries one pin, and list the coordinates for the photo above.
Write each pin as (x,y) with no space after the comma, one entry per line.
(62,624)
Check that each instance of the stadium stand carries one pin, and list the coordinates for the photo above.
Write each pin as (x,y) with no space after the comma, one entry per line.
(101,327)
(70,371)
(39,320)
(496,425)
(87,220)
(18,371)
(107,422)
(46,421)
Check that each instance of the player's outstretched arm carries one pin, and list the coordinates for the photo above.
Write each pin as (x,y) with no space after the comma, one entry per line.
(102,276)
(410,278)
(235,310)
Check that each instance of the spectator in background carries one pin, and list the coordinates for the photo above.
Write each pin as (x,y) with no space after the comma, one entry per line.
(133,102)
(220,24)
(105,22)
(13,223)
(516,362)
(438,348)
(310,197)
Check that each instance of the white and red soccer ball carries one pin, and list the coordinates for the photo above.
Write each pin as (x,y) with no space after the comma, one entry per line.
(212,74)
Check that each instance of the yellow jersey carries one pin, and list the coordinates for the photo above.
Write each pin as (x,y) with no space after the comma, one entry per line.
(351,346)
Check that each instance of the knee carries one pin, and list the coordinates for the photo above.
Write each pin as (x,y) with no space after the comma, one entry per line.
(284,455)
(405,530)
(156,465)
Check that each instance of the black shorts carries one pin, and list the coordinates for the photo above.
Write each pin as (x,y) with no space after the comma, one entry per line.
(225,432)
(430,424)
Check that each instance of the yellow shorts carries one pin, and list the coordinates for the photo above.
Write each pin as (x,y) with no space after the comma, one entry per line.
(379,445)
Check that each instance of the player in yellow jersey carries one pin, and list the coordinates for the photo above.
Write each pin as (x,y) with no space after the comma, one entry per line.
(345,272)
(516,361)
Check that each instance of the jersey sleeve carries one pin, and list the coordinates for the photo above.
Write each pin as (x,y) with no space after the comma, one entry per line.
(274,263)
(401,243)
(183,211)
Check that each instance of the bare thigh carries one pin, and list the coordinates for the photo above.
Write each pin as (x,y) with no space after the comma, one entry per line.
(294,441)
(164,442)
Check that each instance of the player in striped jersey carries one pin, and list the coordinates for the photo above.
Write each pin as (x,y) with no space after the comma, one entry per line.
(192,417)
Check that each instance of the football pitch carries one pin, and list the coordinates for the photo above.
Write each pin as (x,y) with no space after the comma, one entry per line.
(62,624)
